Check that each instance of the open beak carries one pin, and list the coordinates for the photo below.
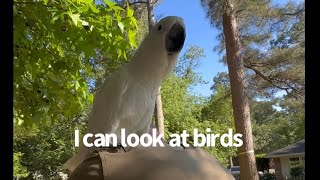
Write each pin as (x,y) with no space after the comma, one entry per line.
(175,38)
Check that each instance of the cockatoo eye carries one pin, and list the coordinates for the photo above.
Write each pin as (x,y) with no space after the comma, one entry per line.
(159,28)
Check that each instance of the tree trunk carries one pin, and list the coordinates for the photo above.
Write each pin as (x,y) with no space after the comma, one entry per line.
(158,109)
(151,20)
(240,104)
(230,161)
(159,113)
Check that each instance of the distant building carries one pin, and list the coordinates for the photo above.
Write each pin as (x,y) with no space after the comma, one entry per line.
(286,158)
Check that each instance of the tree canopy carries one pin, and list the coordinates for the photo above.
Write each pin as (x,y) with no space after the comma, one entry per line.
(61,50)
(57,45)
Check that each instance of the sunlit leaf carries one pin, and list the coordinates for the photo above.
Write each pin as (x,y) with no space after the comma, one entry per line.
(129,11)
(110,3)
(75,18)
(90,98)
(131,36)
(93,8)
(121,26)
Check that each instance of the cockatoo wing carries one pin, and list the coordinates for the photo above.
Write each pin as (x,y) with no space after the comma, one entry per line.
(121,102)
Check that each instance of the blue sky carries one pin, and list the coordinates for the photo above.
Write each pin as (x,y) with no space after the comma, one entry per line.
(200,33)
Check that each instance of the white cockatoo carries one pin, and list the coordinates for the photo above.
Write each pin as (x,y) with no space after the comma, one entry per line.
(127,97)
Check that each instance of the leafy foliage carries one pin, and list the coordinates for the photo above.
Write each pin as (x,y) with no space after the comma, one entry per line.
(45,152)
(59,53)
(297,171)
(55,43)
(268,176)
(184,111)
(181,109)
(19,170)
(218,115)
(274,129)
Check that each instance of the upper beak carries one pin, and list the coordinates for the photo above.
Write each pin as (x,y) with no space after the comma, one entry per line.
(175,38)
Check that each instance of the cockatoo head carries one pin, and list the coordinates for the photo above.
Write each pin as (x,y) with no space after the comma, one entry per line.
(159,51)
(174,30)
(170,32)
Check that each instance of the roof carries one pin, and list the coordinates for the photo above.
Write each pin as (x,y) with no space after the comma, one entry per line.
(291,150)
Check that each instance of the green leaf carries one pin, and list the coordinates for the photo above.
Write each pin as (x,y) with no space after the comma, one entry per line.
(75,18)
(126,21)
(77,85)
(121,26)
(131,36)
(90,98)
(83,9)
(84,93)
(57,16)
(118,18)
(46,109)
(119,54)
(104,35)
(129,11)
(45,2)
(125,56)
(110,3)
(93,8)
(84,23)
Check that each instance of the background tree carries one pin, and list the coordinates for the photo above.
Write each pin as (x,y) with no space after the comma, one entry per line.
(218,115)
(272,39)
(274,128)
(186,111)
(159,117)
(54,49)
(182,108)
(225,18)
(60,49)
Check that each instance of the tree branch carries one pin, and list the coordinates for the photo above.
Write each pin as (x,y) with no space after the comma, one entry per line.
(271,81)
(240,10)
(265,78)
(295,13)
